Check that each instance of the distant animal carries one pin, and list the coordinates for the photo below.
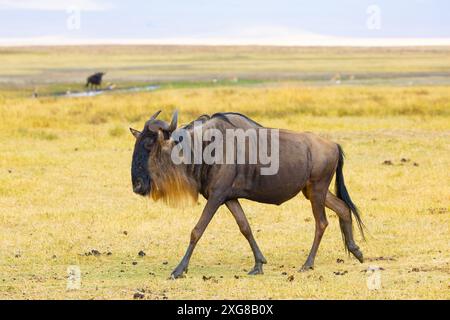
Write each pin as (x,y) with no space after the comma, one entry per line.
(307,163)
(94,81)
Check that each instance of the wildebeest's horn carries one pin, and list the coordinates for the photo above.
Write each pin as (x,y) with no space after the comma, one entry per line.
(174,123)
(153,117)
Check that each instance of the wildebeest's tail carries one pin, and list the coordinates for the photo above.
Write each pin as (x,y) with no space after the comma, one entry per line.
(342,193)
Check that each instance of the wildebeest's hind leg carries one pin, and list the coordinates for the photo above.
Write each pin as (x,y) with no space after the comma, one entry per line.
(208,212)
(235,207)
(316,192)
(345,222)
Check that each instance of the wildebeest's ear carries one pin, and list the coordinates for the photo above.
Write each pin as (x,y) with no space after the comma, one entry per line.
(174,123)
(135,133)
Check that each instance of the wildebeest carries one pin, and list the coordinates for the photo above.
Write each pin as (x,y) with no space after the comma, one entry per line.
(307,163)
(95,80)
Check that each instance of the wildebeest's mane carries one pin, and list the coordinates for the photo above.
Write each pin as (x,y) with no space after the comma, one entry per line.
(220,115)
(223,116)
(203,118)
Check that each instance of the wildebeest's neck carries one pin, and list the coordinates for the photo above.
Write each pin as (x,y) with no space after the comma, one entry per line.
(222,122)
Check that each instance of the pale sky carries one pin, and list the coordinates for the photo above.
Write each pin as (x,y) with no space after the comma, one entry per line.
(221,21)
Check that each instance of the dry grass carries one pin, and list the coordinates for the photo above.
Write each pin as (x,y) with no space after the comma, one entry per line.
(65,190)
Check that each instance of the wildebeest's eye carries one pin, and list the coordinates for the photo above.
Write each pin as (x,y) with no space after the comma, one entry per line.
(148,142)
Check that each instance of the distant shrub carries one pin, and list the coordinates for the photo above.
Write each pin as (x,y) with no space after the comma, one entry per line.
(117,131)
(34,134)
(46,136)
(98,118)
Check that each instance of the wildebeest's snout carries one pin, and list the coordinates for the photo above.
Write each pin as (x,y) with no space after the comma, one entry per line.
(139,186)
(140,176)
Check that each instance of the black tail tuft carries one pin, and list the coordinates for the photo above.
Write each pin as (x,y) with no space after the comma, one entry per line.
(342,193)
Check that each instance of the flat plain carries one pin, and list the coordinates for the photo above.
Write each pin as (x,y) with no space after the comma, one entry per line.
(65,189)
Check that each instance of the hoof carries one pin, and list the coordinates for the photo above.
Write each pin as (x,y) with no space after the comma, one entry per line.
(358,254)
(257,269)
(178,273)
(306,268)
(175,276)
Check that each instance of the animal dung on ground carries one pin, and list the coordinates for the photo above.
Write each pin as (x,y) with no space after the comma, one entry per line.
(138,296)
(141,254)
(94,253)
(373,268)
(214,280)
(403,161)
(381,259)
(438,210)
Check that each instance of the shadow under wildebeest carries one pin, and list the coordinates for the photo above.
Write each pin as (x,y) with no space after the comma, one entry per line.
(307,163)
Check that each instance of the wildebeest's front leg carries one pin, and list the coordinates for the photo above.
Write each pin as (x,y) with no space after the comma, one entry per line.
(208,212)
(235,207)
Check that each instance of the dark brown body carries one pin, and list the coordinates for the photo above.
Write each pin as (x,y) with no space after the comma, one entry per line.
(299,163)
(307,163)
(95,81)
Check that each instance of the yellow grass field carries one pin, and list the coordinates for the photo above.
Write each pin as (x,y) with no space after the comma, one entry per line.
(65,190)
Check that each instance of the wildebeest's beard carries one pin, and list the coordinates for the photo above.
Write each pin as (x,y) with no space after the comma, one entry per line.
(170,183)
(140,175)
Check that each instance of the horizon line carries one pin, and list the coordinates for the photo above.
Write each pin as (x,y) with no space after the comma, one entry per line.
(308,42)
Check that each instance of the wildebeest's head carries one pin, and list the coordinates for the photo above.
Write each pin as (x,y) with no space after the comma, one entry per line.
(146,141)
